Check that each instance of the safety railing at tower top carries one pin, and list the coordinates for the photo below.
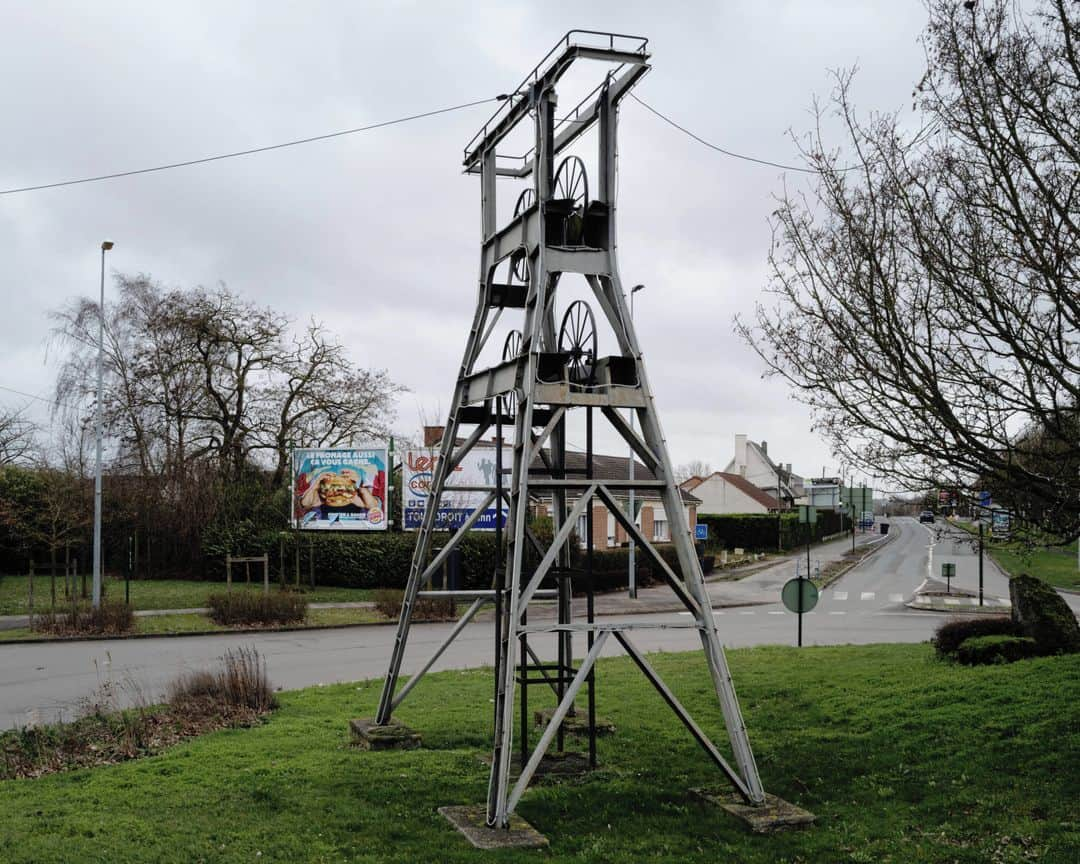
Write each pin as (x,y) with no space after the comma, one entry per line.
(522,164)
(595,39)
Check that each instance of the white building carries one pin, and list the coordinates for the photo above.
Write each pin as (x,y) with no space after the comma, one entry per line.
(752,461)
(721,492)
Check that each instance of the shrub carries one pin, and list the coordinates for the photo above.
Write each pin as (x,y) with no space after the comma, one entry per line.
(388,603)
(979,650)
(251,607)
(111,618)
(241,682)
(953,632)
(759,532)
(1043,615)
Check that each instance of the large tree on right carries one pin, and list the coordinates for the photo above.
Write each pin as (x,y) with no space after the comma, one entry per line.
(925,299)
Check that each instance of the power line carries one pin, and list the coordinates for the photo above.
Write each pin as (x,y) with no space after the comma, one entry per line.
(252,150)
(35,396)
(922,135)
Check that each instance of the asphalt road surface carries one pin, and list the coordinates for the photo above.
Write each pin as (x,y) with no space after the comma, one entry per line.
(46,682)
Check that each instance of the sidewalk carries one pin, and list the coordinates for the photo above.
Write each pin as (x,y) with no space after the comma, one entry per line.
(14,622)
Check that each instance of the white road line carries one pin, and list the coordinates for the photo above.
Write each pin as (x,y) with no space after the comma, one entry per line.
(777,613)
(838,613)
(896,598)
(839,595)
(747,612)
(866,595)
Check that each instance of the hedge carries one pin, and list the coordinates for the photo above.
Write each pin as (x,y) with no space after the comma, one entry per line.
(382,560)
(956,631)
(1044,615)
(759,532)
(980,650)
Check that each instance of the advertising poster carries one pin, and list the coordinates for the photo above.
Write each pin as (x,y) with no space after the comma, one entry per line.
(476,469)
(339,489)
(1000,523)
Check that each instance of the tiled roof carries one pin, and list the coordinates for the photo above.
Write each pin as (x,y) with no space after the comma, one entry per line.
(742,484)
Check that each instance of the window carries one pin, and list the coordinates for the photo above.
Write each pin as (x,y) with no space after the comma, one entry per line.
(660,531)
(583,530)
(610,530)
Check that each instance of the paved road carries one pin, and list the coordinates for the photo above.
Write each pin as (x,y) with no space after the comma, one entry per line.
(46,681)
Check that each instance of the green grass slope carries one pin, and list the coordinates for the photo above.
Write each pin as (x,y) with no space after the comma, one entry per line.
(902,757)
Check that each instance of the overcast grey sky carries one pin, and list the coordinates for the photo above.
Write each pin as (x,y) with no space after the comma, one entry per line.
(377,233)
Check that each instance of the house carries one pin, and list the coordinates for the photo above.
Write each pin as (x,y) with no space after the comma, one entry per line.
(651,518)
(721,492)
(824,492)
(752,461)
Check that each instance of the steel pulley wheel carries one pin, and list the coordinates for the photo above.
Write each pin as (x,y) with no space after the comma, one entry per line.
(519,264)
(577,337)
(571,182)
(511,350)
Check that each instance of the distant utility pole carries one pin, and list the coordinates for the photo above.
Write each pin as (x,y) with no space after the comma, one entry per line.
(106,245)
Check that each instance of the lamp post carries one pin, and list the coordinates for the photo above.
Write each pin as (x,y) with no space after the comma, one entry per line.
(106,245)
(633,519)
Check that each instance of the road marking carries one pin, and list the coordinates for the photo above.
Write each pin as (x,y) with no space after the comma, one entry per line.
(748,612)
(866,595)
(776,613)
(838,613)
(840,595)
(896,598)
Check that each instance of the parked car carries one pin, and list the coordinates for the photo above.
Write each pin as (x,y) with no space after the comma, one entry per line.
(927,516)
(866,520)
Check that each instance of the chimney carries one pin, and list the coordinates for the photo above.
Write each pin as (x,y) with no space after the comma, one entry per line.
(765,447)
(740,454)
(433,435)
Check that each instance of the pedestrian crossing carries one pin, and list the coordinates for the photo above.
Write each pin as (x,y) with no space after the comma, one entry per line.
(826,596)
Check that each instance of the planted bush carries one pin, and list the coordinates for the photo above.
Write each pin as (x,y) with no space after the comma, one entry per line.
(1043,615)
(980,650)
(953,632)
(111,618)
(388,602)
(241,682)
(235,608)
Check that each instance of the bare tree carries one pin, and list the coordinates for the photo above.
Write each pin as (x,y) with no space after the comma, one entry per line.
(927,300)
(17,437)
(693,468)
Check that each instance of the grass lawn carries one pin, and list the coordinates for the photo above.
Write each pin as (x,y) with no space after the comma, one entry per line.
(197,623)
(1055,565)
(902,757)
(155,593)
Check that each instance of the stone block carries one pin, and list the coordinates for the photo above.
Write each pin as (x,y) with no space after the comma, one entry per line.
(472,822)
(369,735)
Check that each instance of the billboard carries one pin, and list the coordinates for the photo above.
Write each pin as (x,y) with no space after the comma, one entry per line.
(477,468)
(1000,523)
(337,489)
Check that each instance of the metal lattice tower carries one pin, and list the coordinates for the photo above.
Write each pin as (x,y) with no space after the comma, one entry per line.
(548,373)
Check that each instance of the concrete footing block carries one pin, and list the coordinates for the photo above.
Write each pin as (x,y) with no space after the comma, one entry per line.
(576,724)
(369,735)
(472,822)
(773,816)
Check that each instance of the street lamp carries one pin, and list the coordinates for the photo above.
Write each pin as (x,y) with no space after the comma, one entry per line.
(106,245)
(633,519)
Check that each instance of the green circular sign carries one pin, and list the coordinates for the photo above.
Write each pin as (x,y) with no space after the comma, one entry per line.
(799,595)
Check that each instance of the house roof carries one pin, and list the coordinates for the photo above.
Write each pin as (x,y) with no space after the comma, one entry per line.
(741,483)
(615,468)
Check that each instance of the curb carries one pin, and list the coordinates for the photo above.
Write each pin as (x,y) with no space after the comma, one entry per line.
(878,546)
(241,632)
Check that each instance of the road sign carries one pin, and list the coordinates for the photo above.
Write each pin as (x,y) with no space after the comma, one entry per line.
(807,515)
(701,532)
(948,572)
(799,595)
(1000,523)
(985,499)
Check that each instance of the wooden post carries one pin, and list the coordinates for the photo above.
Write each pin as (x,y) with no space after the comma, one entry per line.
(266,573)
(228,571)
(247,571)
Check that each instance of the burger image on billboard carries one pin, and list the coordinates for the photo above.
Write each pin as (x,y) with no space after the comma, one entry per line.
(340,489)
